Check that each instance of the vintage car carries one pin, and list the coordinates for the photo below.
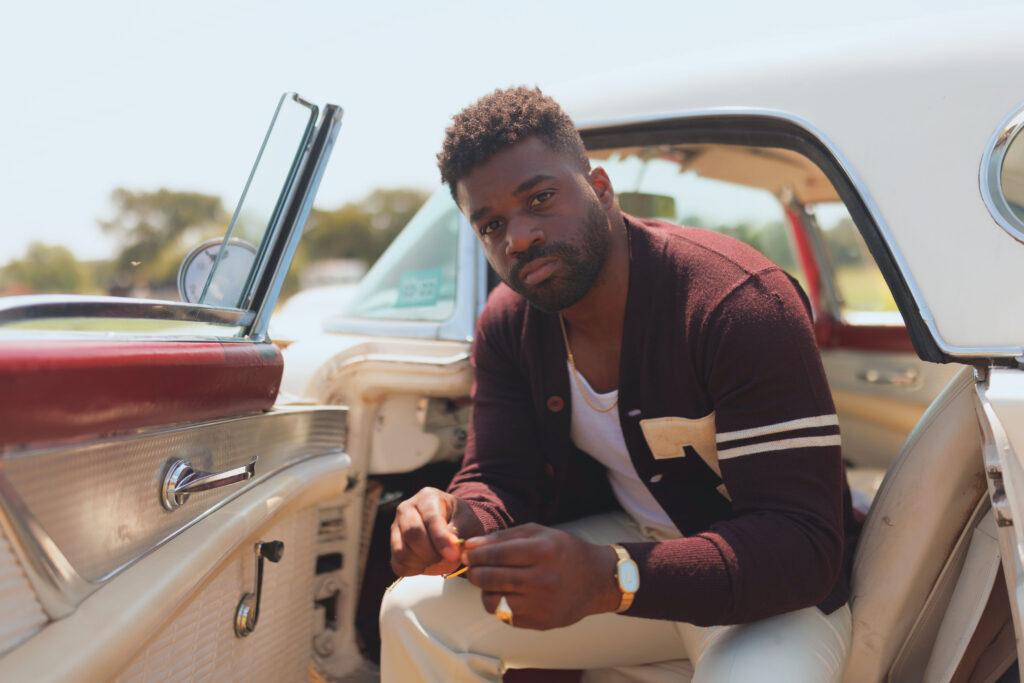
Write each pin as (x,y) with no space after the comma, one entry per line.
(181,499)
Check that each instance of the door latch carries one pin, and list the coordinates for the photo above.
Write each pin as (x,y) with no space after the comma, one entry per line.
(248,611)
(181,480)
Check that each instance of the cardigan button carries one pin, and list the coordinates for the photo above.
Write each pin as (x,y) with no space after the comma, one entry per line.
(555,404)
(656,478)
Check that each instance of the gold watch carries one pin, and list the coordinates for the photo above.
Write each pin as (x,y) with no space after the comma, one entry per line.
(627,574)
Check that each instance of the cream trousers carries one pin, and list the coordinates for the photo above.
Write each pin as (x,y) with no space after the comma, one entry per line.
(438,631)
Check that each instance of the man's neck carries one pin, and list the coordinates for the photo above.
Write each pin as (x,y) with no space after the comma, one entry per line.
(600,314)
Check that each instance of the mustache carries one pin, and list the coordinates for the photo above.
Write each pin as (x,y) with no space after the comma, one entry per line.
(556,249)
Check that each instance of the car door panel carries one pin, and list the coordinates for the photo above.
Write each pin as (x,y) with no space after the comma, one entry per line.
(97,506)
(192,585)
(875,417)
(23,615)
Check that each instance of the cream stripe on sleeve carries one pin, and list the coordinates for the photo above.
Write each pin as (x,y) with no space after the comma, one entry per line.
(780,445)
(790,425)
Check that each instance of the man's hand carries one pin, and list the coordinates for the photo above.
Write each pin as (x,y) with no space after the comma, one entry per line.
(425,533)
(550,578)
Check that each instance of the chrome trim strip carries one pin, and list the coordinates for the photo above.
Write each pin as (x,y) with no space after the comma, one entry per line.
(990,174)
(59,585)
(43,306)
(856,182)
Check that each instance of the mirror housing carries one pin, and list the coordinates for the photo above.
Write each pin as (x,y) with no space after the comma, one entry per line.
(215,274)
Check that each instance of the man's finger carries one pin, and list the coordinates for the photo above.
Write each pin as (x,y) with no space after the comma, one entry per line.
(403,563)
(524,531)
(518,552)
(499,579)
(441,536)
(415,539)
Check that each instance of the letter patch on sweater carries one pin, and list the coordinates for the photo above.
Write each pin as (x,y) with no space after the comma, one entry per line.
(668,437)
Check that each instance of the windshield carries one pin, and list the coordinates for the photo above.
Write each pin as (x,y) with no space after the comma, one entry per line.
(415,279)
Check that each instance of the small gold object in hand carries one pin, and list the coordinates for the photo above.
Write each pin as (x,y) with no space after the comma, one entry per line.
(504,612)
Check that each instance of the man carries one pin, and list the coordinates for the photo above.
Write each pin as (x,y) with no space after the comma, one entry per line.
(680,366)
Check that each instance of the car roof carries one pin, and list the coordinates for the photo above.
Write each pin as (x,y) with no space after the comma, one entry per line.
(909,108)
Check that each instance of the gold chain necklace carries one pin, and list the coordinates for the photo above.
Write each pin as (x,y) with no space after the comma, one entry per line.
(576,373)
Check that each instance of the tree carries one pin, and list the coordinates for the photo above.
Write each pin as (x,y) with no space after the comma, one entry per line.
(363,229)
(45,269)
(359,230)
(155,230)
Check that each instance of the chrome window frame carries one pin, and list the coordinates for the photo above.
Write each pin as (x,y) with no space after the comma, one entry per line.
(941,350)
(47,306)
(991,170)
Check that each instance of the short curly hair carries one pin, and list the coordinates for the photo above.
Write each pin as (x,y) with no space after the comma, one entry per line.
(501,119)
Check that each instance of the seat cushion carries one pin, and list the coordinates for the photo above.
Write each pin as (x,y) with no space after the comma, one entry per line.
(921,508)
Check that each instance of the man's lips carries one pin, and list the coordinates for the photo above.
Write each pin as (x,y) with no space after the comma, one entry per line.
(538,270)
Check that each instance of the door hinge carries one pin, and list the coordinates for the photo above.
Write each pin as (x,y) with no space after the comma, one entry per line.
(1000,504)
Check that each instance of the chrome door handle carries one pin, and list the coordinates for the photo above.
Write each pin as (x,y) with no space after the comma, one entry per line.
(181,480)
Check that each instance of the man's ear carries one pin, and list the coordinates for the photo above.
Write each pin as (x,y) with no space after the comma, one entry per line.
(602,185)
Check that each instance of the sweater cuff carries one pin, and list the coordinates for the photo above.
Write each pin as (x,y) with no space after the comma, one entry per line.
(487,514)
(686,579)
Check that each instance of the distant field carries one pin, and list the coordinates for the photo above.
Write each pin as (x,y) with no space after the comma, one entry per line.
(864,289)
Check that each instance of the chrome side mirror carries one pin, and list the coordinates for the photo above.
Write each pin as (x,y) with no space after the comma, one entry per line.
(215,274)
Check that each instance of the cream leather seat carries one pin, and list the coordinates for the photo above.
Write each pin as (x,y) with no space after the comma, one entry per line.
(922,507)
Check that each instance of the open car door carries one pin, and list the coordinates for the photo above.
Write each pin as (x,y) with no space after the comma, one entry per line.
(160,517)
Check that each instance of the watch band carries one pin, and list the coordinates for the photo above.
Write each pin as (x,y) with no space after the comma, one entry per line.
(627,597)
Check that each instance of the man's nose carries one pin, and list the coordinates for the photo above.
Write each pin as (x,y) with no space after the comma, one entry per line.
(520,236)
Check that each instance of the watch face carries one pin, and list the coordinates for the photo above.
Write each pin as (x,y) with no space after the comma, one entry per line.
(629,576)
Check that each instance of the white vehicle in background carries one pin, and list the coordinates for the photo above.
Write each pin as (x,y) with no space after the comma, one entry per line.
(179,499)
(302,315)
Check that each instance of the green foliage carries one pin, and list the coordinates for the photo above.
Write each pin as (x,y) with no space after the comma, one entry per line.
(363,229)
(155,230)
(45,269)
(359,230)
(845,245)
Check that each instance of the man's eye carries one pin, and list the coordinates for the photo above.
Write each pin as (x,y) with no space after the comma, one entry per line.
(541,198)
(488,228)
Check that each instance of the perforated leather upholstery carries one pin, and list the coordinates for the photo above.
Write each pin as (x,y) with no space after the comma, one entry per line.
(921,508)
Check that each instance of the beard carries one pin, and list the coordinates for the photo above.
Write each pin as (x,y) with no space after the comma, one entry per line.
(581,265)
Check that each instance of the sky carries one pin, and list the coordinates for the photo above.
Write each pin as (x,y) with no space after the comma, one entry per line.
(144,95)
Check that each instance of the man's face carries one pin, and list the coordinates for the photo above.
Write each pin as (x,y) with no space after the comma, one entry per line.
(543,221)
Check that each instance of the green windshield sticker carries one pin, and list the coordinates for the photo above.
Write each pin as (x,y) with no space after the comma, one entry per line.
(419,288)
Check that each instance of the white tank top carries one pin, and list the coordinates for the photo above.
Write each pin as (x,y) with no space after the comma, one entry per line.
(600,435)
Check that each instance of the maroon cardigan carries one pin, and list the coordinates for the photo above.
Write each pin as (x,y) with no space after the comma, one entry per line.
(711,326)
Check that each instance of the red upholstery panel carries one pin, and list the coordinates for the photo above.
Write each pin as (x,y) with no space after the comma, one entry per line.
(58,390)
(833,334)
